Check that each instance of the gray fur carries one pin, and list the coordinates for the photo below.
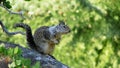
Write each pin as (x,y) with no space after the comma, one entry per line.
(47,37)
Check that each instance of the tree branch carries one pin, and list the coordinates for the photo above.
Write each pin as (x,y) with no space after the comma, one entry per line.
(11,12)
(10,33)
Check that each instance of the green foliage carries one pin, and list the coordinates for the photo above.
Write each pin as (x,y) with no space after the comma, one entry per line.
(95,37)
(27,0)
(37,65)
(7,4)
(17,60)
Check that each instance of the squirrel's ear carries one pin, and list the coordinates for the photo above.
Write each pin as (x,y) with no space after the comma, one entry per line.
(61,22)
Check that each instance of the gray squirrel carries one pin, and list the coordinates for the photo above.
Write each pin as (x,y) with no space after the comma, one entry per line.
(45,38)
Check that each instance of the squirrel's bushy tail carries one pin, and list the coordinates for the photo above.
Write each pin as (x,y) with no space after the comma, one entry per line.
(29,37)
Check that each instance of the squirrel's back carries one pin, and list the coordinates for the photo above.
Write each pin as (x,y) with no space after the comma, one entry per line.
(42,40)
(41,34)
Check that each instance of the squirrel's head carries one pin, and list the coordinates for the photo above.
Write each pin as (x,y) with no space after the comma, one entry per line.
(62,28)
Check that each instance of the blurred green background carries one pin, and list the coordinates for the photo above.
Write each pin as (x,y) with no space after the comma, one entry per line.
(94,41)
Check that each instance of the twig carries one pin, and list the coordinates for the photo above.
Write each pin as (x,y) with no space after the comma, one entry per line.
(10,33)
(11,12)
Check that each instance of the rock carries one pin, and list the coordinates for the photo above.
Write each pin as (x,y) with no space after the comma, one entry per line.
(46,61)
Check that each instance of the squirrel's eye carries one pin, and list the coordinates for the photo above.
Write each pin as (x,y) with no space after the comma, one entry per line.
(64,27)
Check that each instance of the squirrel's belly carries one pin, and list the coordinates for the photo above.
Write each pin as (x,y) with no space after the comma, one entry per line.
(49,48)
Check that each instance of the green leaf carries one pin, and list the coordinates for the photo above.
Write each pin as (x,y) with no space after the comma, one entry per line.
(26,62)
(10,52)
(2,48)
(27,0)
(18,62)
(7,4)
(37,65)
(16,50)
(12,65)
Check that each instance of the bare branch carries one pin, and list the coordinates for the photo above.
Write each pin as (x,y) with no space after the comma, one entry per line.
(11,12)
(10,33)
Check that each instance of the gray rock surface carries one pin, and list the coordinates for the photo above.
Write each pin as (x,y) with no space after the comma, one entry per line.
(46,61)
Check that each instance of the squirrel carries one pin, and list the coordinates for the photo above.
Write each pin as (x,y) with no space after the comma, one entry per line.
(46,37)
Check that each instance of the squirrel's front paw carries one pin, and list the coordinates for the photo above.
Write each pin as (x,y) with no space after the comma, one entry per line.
(56,42)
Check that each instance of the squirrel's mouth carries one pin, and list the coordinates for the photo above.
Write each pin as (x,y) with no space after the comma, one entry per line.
(69,31)
(66,32)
